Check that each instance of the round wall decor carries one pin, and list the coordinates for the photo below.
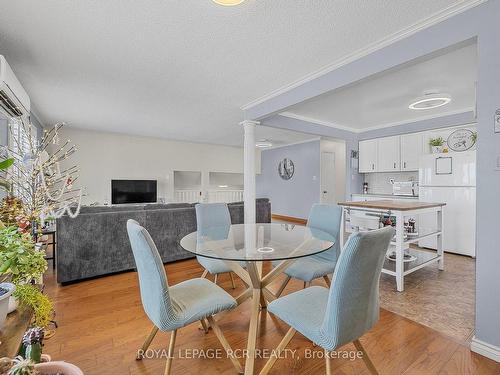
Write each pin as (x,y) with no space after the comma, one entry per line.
(286,169)
(461,140)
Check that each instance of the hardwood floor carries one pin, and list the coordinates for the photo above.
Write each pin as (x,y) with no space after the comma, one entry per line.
(102,324)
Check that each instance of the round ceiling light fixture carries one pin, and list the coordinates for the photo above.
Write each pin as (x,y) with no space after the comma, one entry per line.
(228,3)
(264,143)
(430,100)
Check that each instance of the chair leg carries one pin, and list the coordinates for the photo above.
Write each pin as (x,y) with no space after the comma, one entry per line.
(282,345)
(145,346)
(204,325)
(232,280)
(283,286)
(170,357)
(305,285)
(225,344)
(327,280)
(215,279)
(328,364)
(366,358)
(204,274)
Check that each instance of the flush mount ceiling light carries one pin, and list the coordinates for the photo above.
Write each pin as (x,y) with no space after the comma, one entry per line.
(228,3)
(430,100)
(264,143)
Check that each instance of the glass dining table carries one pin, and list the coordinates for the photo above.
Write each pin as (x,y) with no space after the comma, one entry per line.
(244,248)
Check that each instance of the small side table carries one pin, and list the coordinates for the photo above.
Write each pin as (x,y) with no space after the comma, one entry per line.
(52,241)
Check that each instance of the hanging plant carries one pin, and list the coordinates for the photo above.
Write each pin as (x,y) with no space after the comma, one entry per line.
(30,296)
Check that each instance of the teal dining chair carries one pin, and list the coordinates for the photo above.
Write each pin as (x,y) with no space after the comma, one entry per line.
(210,215)
(327,218)
(172,307)
(335,317)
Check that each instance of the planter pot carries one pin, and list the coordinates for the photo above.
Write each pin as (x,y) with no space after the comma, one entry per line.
(436,149)
(57,367)
(13,304)
(4,301)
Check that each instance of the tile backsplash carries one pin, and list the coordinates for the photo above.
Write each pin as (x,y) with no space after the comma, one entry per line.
(379,183)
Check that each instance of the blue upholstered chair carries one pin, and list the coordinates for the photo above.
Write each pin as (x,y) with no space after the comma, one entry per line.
(171,308)
(325,217)
(213,215)
(335,317)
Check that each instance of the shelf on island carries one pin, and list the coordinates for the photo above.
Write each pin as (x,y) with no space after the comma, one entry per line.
(411,240)
(423,257)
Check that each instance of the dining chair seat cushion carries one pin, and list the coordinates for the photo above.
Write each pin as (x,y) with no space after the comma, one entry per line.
(195,299)
(216,266)
(310,268)
(304,311)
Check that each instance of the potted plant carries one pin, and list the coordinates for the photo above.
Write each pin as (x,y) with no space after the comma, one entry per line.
(32,341)
(21,366)
(22,264)
(436,144)
(6,290)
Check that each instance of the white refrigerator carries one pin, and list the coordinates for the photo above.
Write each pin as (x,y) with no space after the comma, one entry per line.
(450,178)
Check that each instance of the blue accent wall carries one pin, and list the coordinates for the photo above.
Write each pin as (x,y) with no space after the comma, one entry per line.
(292,197)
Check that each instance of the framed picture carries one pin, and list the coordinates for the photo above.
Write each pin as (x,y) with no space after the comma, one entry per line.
(461,140)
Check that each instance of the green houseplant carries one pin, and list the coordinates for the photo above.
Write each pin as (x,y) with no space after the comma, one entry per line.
(22,264)
(32,341)
(5,164)
(436,144)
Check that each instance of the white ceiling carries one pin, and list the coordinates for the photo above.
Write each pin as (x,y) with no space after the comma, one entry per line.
(383,100)
(182,69)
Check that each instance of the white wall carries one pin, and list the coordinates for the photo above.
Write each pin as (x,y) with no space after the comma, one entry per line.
(339,149)
(102,157)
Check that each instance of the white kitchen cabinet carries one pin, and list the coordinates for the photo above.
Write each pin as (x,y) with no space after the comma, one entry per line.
(368,153)
(389,154)
(411,149)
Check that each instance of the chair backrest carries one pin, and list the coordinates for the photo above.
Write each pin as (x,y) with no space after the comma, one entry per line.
(327,218)
(152,277)
(353,304)
(212,215)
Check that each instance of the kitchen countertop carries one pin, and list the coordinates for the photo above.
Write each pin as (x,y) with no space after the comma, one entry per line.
(385,204)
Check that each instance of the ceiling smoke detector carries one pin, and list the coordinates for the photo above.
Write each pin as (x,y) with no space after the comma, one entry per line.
(430,100)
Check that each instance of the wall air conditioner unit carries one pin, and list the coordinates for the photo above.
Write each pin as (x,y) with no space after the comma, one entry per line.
(14,101)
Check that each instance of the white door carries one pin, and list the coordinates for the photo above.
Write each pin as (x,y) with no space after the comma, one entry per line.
(411,150)
(368,156)
(389,154)
(328,177)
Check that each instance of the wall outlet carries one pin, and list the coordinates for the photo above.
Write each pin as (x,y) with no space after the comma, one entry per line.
(497,121)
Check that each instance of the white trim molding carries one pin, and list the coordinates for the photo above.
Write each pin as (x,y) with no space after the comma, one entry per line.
(315,139)
(485,349)
(249,122)
(373,47)
(375,127)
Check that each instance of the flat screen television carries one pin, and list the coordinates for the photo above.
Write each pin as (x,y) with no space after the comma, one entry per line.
(133,191)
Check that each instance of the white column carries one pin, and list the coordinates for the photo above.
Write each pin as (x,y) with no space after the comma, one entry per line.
(249,170)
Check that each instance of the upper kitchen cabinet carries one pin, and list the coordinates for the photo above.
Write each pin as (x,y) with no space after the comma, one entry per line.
(412,147)
(389,154)
(368,154)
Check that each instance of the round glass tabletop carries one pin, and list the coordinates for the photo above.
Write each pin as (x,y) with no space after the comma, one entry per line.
(257,242)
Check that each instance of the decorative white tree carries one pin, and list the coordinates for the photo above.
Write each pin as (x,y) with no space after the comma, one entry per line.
(36,176)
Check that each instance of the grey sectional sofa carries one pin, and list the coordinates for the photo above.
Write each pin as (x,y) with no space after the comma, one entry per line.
(96,243)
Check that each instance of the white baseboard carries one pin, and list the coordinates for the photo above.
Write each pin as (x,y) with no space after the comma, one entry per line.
(485,349)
